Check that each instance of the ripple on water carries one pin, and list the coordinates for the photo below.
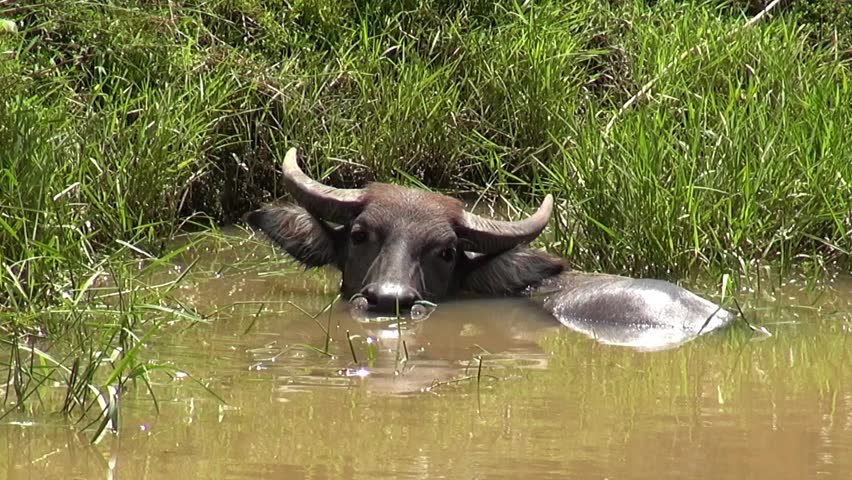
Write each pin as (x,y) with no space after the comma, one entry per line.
(549,403)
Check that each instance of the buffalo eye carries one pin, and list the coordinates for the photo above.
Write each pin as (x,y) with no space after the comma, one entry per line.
(358,236)
(448,254)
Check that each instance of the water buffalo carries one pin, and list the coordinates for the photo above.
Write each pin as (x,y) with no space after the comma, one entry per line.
(396,246)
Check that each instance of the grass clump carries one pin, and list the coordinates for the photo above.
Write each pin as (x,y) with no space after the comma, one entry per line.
(80,356)
(736,157)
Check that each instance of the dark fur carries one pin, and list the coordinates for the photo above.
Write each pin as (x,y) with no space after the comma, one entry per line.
(509,273)
(409,228)
(311,242)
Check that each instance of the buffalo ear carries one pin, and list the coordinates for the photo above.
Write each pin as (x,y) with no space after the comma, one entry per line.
(307,239)
(510,272)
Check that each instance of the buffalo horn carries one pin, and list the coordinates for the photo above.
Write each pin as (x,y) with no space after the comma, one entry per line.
(493,236)
(338,205)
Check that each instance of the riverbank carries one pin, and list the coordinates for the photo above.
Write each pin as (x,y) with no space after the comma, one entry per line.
(122,124)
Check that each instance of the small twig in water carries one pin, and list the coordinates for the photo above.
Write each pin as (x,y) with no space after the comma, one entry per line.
(700,330)
(328,330)
(254,319)
(351,347)
(478,385)
(456,380)
(750,325)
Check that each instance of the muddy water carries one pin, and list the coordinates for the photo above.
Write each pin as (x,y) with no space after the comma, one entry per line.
(478,390)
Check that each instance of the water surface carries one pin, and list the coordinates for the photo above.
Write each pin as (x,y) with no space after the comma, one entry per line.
(480,389)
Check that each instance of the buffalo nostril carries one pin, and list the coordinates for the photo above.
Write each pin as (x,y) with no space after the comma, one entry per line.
(387,296)
(371,293)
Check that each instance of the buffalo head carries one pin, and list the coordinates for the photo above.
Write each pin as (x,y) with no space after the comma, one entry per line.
(396,245)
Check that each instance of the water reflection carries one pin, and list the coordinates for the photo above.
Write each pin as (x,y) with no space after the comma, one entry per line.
(405,355)
(550,403)
(642,337)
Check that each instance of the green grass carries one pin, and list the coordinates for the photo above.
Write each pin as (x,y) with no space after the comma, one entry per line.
(121,120)
(123,123)
(80,354)
(738,157)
